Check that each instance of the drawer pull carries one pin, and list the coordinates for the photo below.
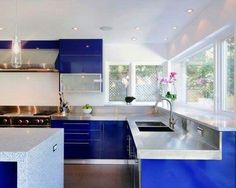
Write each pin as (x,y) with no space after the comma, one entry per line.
(78,143)
(76,123)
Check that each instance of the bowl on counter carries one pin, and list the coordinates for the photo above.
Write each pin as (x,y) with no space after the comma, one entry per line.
(87,111)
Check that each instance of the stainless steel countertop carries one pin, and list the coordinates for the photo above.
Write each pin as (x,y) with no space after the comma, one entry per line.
(169,145)
(156,145)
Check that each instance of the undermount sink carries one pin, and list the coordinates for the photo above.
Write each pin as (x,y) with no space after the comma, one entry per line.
(152,127)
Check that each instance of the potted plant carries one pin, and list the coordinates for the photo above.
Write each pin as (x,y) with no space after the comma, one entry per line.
(87,109)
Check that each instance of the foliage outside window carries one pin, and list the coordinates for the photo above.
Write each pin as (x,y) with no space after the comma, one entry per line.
(118,82)
(146,82)
(200,79)
(228,72)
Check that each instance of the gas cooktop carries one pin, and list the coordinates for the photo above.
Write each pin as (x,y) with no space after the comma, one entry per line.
(26,119)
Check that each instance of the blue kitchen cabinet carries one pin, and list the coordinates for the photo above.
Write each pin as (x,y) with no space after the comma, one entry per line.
(82,139)
(115,140)
(80,56)
(131,148)
(80,64)
(193,173)
(8,174)
(81,46)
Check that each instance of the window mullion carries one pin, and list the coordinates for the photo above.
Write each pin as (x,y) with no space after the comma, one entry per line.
(218,77)
(132,77)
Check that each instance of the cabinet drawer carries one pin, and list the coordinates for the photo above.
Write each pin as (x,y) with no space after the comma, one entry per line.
(82,135)
(77,125)
(83,150)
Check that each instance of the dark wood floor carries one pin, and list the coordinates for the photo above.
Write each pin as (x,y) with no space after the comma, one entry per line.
(97,176)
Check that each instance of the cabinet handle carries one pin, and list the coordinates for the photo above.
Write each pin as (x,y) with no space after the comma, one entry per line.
(78,143)
(54,148)
(76,123)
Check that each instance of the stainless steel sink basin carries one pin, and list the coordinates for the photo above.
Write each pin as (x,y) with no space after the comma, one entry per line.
(150,123)
(152,127)
(155,129)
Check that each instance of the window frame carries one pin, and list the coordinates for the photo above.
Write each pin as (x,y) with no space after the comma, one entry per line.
(183,97)
(222,72)
(216,40)
(132,84)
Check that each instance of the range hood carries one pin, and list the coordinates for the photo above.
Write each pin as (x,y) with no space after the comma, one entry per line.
(33,60)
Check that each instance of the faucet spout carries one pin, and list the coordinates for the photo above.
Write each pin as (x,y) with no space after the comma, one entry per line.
(171,118)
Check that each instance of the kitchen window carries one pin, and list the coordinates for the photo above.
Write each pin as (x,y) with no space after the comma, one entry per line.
(118,82)
(200,79)
(206,75)
(136,80)
(228,59)
(146,82)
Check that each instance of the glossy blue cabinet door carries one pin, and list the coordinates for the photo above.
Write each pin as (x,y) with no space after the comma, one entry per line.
(81,46)
(80,64)
(80,56)
(82,139)
(8,174)
(115,140)
(193,173)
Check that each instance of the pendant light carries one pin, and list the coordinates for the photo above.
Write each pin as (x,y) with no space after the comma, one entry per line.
(16,60)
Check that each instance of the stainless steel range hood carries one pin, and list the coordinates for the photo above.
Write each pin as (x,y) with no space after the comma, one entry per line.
(33,60)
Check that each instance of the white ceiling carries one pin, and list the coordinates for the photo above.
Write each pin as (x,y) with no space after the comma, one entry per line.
(54,19)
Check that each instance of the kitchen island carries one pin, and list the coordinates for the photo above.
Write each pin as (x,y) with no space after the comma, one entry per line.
(31,157)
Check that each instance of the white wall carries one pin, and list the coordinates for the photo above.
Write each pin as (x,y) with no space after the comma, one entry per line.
(218,14)
(119,53)
(29,89)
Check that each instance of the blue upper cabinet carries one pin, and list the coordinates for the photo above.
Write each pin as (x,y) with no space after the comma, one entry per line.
(80,56)
(81,46)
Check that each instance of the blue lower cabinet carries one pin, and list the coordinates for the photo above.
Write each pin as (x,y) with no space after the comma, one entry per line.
(82,139)
(8,174)
(83,150)
(193,173)
(115,140)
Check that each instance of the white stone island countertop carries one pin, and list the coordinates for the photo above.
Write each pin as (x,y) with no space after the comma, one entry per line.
(39,154)
(23,139)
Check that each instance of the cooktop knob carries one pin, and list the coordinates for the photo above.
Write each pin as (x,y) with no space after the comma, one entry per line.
(26,121)
(5,121)
(37,121)
(41,121)
(20,121)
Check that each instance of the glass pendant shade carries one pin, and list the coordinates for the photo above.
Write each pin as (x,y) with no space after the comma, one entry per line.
(16,60)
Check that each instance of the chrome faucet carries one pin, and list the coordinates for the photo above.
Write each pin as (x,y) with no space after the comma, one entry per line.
(171,118)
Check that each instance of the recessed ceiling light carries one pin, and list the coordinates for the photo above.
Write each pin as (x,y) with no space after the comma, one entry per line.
(174,27)
(137,28)
(133,38)
(1,28)
(105,28)
(75,28)
(165,39)
(190,10)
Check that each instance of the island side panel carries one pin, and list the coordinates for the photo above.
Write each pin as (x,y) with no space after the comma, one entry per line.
(8,174)
(46,163)
(193,173)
